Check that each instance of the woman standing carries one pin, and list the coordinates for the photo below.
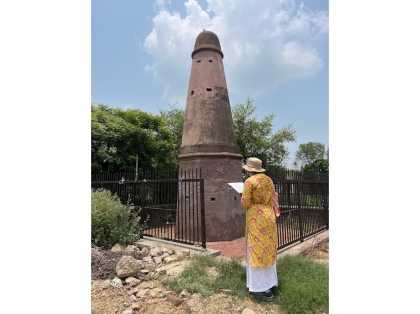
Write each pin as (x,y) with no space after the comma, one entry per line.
(261,238)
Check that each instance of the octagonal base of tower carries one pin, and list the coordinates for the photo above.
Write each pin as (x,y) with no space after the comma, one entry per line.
(224,214)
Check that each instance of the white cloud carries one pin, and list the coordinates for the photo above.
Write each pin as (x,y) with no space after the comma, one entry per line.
(265,43)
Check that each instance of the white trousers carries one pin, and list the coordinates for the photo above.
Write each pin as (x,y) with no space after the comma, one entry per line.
(260,279)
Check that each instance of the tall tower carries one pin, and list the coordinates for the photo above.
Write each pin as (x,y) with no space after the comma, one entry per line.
(209,142)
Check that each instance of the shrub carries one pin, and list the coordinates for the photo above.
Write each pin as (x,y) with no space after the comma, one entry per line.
(113,222)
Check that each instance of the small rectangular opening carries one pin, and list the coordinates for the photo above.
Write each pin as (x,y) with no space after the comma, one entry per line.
(186,196)
(210,60)
(192,92)
(208,89)
(198,61)
(235,198)
(212,199)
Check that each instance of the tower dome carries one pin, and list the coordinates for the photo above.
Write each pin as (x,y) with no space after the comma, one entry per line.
(207,40)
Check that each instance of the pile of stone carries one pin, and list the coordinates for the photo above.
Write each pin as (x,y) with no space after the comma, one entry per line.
(156,262)
(133,274)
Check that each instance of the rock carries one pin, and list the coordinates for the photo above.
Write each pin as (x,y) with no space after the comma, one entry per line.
(148,259)
(144,251)
(174,299)
(128,311)
(165,254)
(170,259)
(96,257)
(135,306)
(180,255)
(161,271)
(155,251)
(248,311)
(132,282)
(186,252)
(184,293)
(150,267)
(117,248)
(116,282)
(142,293)
(157,259)
(128,267)
(144,271)
(132,248)
(168,250)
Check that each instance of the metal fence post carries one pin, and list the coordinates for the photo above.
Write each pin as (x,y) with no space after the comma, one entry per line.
(326,209)
(203,220)
(142,200)
(300,212)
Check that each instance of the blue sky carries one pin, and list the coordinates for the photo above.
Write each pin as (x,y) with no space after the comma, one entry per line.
(276,52)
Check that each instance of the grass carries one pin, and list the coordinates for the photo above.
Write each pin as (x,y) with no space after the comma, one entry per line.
(303,283)
(197,277)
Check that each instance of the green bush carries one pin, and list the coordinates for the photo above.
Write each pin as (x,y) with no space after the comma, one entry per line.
(113,222)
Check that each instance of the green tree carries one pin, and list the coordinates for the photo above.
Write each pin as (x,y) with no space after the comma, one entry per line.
(308,153)
(318,166)
(118,136)
(256,138)
(174,122)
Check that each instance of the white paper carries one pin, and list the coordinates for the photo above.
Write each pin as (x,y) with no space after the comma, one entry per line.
(238,186)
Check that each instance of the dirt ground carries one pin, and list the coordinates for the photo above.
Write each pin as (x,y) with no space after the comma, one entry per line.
(109,299)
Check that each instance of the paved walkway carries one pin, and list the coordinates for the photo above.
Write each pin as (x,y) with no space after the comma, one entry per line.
(229,248)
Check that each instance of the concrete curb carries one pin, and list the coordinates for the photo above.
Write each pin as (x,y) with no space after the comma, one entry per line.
(300,247)
(149,242)
(293,249)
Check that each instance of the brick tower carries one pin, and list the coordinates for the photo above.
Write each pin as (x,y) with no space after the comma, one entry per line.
(209,142)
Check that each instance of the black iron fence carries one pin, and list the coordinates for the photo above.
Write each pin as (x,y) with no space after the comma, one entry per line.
(304,209)
(174,202)
(174,206)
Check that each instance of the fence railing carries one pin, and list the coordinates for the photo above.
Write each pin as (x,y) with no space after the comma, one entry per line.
(304,209)
(162,202)
(289,174)
(174,203)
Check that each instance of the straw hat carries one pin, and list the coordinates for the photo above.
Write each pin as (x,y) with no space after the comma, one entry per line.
(254,165)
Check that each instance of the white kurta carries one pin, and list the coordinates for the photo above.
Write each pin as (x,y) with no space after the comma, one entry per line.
(260,279)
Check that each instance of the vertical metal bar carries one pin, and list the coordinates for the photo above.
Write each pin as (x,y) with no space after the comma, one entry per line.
(196,208)
(326,209)
(203,221)
(300,211)
(161,211)
(184,209)
(189,207)
(291,227)
(193,211)
(303,206)
(142,210)
(178,205)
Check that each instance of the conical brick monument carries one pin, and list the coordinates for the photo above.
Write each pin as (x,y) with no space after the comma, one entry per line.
(209,142)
